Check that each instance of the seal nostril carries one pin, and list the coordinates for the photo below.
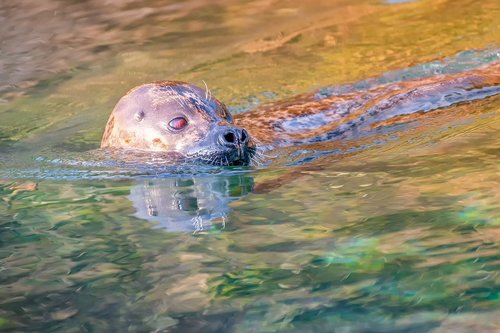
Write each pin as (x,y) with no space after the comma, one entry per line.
(244,136)
(229,137)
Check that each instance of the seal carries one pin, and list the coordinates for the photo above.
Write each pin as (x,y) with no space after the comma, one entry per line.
(179,119)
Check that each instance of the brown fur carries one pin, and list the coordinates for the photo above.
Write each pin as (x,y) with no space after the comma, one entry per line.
(264,122)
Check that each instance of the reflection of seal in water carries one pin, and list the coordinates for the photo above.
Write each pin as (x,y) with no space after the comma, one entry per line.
(188,203)
(179,118)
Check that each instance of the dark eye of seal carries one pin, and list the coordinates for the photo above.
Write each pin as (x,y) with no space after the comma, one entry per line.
(178,123)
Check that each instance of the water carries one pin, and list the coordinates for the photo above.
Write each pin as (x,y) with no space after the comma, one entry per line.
(392,231)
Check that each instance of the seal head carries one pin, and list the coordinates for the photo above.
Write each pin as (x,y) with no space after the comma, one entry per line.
(179,118)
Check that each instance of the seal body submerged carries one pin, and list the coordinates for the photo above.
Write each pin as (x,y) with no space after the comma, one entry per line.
(177,118)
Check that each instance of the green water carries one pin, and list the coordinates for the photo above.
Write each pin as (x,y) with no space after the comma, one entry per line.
(394,232)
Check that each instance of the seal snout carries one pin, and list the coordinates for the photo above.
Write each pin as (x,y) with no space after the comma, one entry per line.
(235,143)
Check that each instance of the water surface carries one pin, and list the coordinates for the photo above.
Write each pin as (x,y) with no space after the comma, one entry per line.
(395,231)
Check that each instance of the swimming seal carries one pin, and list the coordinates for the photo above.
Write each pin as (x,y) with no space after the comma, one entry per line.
(177,118)
(173,116)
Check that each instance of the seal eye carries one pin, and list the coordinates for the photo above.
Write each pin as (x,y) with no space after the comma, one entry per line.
(178,123)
